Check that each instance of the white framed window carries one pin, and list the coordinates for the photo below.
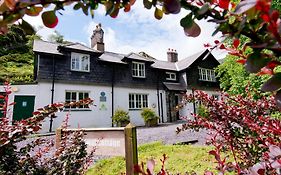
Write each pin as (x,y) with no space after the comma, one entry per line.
(138,69)
(80,62)
(207,74)
(138,101)
(171,76)
(73,96)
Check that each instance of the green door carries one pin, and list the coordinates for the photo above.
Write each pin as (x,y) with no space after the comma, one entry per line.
(24,107)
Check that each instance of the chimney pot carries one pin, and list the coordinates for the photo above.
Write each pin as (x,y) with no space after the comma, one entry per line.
(97,38)
(172,55)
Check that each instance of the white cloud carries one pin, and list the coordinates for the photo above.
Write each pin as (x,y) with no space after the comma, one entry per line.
(153,36)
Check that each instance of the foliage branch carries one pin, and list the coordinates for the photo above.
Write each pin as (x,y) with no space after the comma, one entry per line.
(20,155)
(242,126)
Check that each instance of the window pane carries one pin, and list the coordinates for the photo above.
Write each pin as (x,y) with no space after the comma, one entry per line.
(85,63)
(73,96)
(144,102)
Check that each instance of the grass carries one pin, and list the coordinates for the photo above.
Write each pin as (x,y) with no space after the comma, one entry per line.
(181,158)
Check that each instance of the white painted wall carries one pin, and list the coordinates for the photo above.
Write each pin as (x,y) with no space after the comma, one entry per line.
(93,118)
(121,98)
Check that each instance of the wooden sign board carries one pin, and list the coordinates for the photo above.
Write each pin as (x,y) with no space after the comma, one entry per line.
(110,142)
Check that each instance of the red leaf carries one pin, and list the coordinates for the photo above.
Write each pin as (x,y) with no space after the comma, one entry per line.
(273,64)
(2,97)
(242,61)
(223,4)
(49,19)
(12,103)
(236,43)
(36,128)
(207,45)
(216,41)
(222,46)
(265,17)
(265,71)
(36,113)
(275,15)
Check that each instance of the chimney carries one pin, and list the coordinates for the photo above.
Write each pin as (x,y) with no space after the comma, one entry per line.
(172,55)
(97,39)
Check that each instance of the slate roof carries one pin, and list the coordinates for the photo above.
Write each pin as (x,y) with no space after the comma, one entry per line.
(185,63)
(164,65)
(174,86)
(78,46)
(46,47)
(49,47)
(112,57)
(138,57)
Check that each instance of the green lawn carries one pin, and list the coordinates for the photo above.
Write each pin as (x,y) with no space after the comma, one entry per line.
(181,158)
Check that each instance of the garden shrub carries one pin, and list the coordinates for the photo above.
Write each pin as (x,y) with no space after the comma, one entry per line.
(32,158)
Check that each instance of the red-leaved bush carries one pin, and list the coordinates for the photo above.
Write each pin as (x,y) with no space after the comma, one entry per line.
(38,156)
(243,127)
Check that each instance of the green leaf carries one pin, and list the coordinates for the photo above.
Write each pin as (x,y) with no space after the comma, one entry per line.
(147,4)
(85,9)
(92,13)
(255,62)
(49,19)
(244,6)
(273,84)
(187,21)
(192,31)
(203,9)
(109,7)
(77,6)
(28,29)
(158,13)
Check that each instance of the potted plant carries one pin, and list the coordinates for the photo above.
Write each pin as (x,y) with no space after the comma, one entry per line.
(149,117)
(121,118)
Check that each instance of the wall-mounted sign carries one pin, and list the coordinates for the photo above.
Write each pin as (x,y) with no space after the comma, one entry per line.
(103,102)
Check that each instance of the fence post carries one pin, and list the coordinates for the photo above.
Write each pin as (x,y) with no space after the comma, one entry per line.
(58,137)
(131,150)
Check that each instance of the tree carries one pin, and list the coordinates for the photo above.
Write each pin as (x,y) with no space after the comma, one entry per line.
(16,56)
(234,78)
(57,37)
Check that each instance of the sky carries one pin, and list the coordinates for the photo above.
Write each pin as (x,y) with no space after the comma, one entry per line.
(135,31)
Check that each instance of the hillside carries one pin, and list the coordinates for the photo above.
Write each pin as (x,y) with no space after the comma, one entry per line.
(16,57)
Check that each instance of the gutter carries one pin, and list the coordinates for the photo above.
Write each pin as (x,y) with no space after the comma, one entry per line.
(53,93)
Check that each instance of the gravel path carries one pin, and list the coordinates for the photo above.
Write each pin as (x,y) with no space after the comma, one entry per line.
(167,134)
(164,132)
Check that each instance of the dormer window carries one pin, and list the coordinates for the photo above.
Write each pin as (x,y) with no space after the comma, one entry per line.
(80,62)
(138,69)
(207,74)
(171,76)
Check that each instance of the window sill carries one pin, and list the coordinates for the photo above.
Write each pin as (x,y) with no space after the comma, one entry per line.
(74,110)
(208,81)
(138,77)
(86,71)
(135,109)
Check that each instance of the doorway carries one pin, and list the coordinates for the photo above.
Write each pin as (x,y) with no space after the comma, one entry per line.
(24,107)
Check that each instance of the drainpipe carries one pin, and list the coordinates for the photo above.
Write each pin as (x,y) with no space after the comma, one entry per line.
(112,93)
(158,102)
(53,91)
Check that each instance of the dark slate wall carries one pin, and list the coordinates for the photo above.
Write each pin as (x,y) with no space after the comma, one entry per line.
(99,73)
(124,78)
(192,73)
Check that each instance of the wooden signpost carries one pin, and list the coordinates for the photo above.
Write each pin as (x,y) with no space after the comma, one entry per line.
(110,142)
